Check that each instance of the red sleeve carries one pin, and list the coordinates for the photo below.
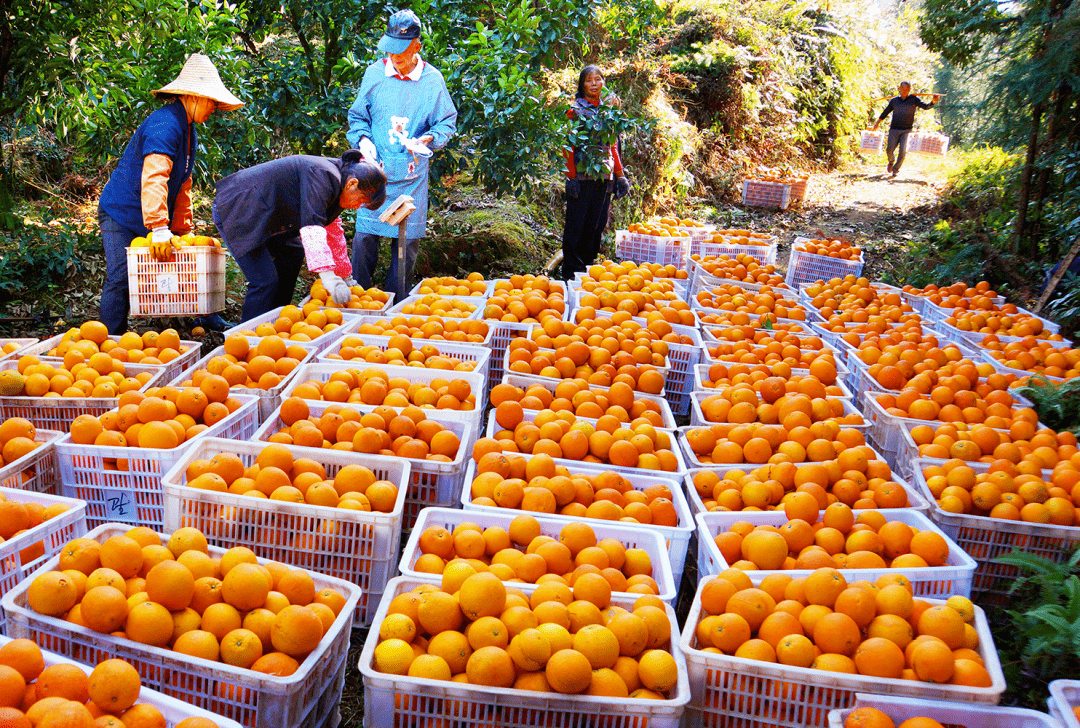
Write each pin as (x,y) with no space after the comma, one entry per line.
(617,169)
(571,164)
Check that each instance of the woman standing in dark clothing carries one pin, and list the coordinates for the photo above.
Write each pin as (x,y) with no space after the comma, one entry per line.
(273,213)
(588,199)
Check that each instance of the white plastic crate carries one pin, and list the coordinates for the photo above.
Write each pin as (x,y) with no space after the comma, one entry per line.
(806,268)
(677,537)
(306,699)
(524,381)
(928,581)
(41,350)
(191,284)
(172,710)
(14,355)
(393,701)
(702,281)
(764,254)
(489,287)
(701,375)
(530,415)
(652,248)
(36,471)
(985,355)
(945,712)
(360,547)
(734,691)
(538,377)
(56,413)
(800,188)
(504,333)
(1064,695)
(348,323)
(269,399)
(475,301)
(23,553)
(432,483)
(375,319)
(871,142)
(759,193)
(356,311)
(628,534)
(984,539)
(929,143)
(697,415)
(975,338)
(134,495)
(453,349)
(678,285)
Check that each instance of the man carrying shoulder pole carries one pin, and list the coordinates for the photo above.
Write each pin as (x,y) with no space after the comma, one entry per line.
(902,108)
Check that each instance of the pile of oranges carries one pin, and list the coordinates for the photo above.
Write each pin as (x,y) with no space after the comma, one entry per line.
(633,302)
(767,300)
(896,359)
(385,431)
(819,621)
(856,300)
(18,516)
(617,333)
(295,324)
(371,299)
(486,634)
(739,237)
(78,345)
(17,440)
(541,485)
(63,695)
(677,222)
(162,418)
(609,270)
(853,477)
(577,397)
(744,268)
(756,442)
(832,248)
(262,617)
(373,386)
(1035,355)
(867,717)
(995,410)
(766,347)
(435,305)
(958,295)
(575,559)
(10,346)
(1008,491)
(656,228)
(772,402)
(761,377)
(526,299)
(1022,443)
(428,327)
(262,366)
(575,361)
(563,435)
(279,476)
(100,376)
(1006,320)
(400,350)
(835,537)
(471,285)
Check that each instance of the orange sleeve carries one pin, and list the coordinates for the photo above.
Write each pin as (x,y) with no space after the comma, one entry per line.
(155,190)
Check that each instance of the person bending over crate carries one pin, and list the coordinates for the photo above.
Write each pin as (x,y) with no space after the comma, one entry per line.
(149,193)
(275,214)
(902,108)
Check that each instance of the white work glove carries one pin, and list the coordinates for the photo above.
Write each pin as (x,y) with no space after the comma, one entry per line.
(161,243)
(367,149)
(338,290)
(351,282)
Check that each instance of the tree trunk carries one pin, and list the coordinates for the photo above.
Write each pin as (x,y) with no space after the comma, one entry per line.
(1020,233)
(1053,124)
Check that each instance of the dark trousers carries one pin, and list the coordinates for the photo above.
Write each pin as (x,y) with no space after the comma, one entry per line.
(271,271)
(586,218)
(898,143)
(365,259)
(114,294)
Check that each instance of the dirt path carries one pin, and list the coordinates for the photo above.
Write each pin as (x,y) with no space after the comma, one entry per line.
(864,204)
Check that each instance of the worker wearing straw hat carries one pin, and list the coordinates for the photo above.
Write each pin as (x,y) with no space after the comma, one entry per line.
(149,193)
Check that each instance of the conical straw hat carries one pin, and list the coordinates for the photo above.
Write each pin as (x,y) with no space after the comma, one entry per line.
(199,77)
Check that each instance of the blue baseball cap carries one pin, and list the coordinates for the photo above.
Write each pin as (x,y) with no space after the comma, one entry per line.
(402,28)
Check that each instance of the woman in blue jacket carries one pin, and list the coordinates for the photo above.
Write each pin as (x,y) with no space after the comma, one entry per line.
(149,193)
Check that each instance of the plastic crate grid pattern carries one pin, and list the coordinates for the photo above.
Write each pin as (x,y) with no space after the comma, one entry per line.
(359,547)
(800,188)
(24,344)
(871,142)
(758,193)
(948,713)
(806,268)
(37,471)
(171,369)
(924,142)
(763,254)
(652,248)
(91,472)
(305,699)
(1064,695)
(191,284)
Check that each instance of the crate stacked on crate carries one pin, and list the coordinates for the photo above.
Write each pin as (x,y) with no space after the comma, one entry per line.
(900,710)
(789,692)
(766,193)
(491,695)
(172,710)
(987,537)
(192,283)
(165,349)
(307,698)
(433,482)
(14,348)
(35,471)
(121,482)
(946,577)
(929,143)
(871,142)
(358,546)
(31,537)
(653,243)
(821,260)
(650,550)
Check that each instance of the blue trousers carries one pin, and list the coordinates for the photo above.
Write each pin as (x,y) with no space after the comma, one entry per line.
(271,271)
(365,258)
(114,294)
